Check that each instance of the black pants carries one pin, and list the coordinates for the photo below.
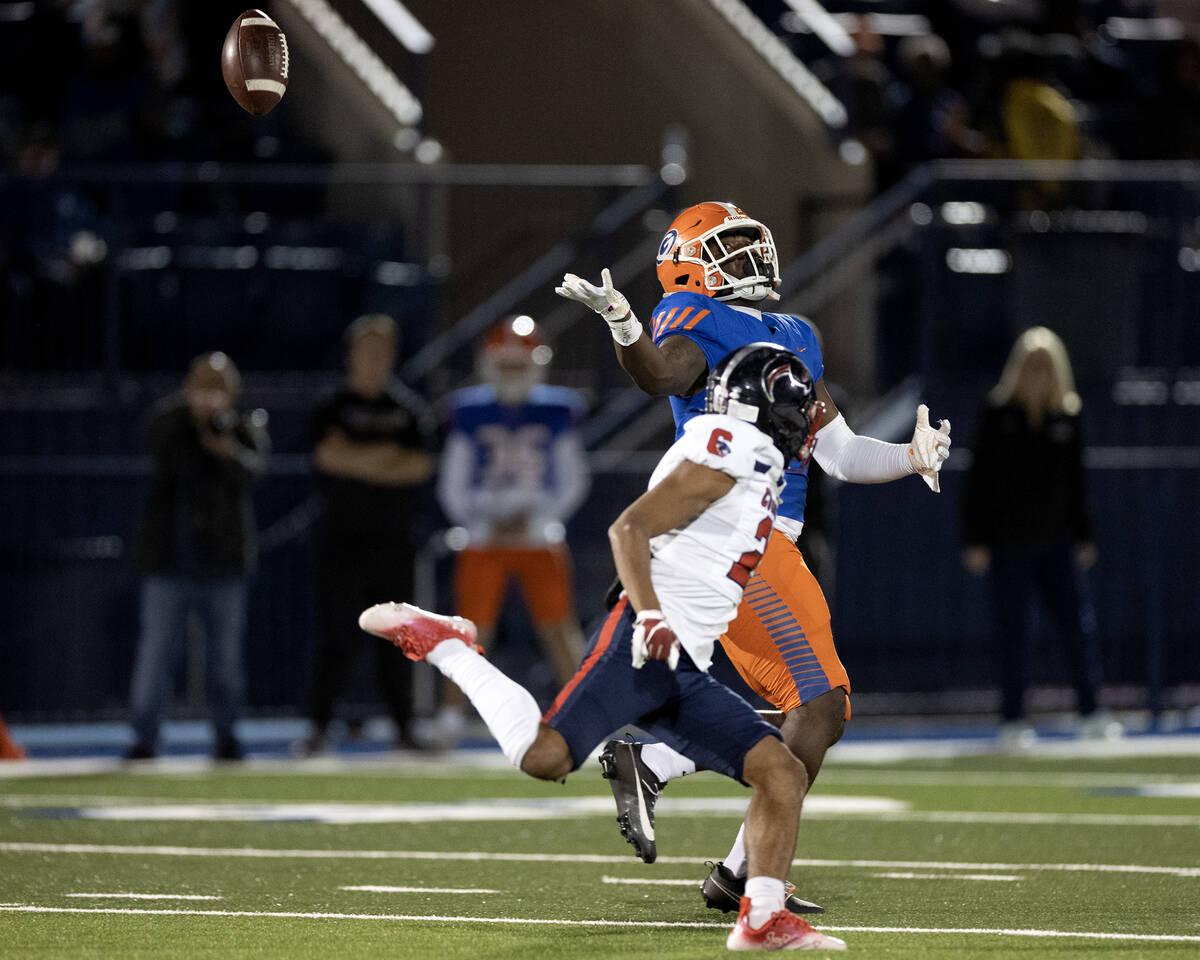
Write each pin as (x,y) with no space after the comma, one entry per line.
(1018,575)
(350,578)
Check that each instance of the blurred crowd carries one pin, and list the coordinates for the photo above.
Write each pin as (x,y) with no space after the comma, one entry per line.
(512,472)
(121,80)
(1035,79)
(1045,79)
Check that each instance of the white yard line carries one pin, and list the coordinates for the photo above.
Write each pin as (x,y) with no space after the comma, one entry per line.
(296,915)
(901,875)
(1036,867)
(890,752)
(636,881)
(1019,932)
(77,800)
(143,896)
(476,856)
(375,888)
(985,779)
(990,816)
(821,807)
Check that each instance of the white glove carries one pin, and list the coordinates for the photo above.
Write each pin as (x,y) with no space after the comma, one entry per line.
(654,640)
(929,448)
(607,301)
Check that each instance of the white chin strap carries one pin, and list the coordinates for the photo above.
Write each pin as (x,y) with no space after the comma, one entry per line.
(752,292)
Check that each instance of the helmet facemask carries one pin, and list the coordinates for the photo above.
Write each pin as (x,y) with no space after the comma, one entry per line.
(714,254)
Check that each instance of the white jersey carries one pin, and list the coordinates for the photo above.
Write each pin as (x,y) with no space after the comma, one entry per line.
(700,570)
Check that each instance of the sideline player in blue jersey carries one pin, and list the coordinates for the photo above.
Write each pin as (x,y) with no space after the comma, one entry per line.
(716,266)
(512,474)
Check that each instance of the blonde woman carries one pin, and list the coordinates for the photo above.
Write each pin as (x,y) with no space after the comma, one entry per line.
(1026,525)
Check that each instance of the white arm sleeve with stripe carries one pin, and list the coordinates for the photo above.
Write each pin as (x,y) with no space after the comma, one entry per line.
(844,455)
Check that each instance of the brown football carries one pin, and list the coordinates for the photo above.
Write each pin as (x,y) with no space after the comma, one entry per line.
(254,62)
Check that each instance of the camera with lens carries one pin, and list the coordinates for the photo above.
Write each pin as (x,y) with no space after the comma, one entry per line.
(223,421)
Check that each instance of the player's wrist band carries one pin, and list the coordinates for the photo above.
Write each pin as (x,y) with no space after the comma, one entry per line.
(627,331)
(648,615)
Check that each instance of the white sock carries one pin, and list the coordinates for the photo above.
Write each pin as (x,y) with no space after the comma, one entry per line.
(508,709)
(766,899)
(665,762)
(735,860)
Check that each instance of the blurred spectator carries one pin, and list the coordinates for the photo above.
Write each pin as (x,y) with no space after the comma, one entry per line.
(933,120)
(1172,123)
(514,470)
(197,547)
(370,451)
(1026,524)
(1031,118)
(107,103)
(864,84)
(1037,121)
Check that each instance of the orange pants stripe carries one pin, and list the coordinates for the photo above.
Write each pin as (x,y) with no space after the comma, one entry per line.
(781,642)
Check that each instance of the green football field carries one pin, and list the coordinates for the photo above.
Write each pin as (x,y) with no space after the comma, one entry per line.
(977,856)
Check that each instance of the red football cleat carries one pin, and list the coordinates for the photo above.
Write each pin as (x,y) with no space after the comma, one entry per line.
(413,630)
(784,931)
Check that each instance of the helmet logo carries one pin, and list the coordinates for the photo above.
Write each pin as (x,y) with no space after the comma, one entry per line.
(670,240)
(780,371)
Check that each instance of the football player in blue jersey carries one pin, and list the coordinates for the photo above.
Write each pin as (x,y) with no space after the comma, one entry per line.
(513,472)
(718,267)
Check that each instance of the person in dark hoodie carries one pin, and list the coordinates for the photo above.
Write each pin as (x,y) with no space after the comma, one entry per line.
(197,548)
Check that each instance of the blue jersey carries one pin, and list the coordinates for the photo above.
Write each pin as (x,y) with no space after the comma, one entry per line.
(719,329)
(512,445)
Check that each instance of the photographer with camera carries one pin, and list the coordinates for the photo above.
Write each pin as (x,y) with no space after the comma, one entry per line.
(197,547)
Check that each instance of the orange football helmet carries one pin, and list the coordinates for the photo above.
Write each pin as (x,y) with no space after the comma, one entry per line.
(695,255)
(514,358)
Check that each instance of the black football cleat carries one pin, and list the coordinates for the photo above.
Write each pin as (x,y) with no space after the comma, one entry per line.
(636,790)
(723,891)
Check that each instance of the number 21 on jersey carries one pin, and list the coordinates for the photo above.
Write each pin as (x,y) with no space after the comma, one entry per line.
(744,565)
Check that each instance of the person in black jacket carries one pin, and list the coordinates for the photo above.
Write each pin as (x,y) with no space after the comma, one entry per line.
(1026,524)
(371,457)
(197,547)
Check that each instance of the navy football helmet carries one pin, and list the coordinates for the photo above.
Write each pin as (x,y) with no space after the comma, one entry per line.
(768,386)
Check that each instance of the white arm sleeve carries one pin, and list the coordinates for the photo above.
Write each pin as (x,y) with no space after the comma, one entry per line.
(845,455)
(571,474)
(454,477)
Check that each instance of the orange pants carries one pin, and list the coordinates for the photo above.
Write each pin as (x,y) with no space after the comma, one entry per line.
(780,641)
(543,573)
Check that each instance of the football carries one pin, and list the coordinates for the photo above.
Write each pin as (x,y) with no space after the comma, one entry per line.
(254,62)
